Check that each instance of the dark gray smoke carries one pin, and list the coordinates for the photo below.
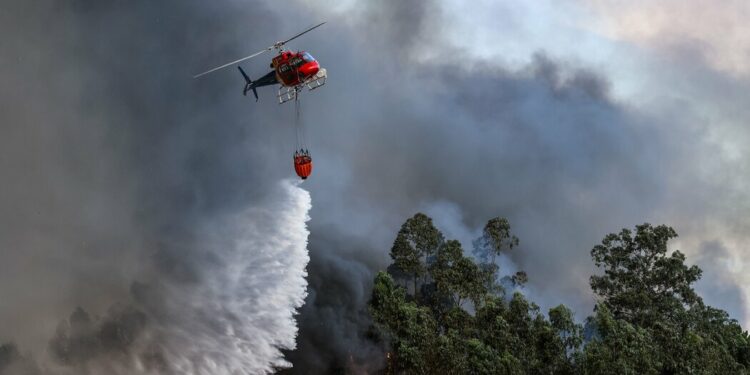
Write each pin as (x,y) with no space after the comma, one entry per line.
(144,228)
(122,175)
(545,145)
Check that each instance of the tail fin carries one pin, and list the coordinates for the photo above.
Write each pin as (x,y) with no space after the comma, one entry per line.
(248,84)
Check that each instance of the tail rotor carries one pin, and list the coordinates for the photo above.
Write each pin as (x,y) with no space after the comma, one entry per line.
(248,84)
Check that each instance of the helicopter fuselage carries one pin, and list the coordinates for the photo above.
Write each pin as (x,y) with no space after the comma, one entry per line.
(294,68)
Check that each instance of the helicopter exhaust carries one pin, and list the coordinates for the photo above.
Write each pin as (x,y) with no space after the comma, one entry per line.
(248,84)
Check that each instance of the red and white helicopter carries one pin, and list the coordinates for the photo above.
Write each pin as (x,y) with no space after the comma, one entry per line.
(291,70)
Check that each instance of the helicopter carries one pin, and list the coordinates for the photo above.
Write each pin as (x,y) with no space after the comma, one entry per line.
(291,70)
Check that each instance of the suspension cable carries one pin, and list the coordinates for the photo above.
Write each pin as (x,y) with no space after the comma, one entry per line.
(298,125)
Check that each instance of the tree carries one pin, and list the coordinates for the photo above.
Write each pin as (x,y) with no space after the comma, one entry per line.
(621,348)
(571,333)
(411,328)
(439,333)
(641,283)
(415,244)
(456,276)
(648,318)
(496,238)
(647,301)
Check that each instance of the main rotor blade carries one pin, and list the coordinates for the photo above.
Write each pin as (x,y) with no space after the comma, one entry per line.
(233,62)
(298,35)
(277,45)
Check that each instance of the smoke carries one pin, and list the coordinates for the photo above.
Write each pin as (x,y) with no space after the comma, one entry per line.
(126,183)
(252,294)
(143,228)
(234,315)
(334,322)
(241,313)
(545,143)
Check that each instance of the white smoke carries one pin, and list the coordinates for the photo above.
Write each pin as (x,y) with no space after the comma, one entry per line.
(233,315)
(242,314)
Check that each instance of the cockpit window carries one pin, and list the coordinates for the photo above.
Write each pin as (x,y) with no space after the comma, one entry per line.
(307,57)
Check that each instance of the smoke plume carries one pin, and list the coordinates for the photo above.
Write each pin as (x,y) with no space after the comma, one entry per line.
(240,313)
(233,316)
(143,229)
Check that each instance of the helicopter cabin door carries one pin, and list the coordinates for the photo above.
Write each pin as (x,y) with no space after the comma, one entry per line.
(286,66)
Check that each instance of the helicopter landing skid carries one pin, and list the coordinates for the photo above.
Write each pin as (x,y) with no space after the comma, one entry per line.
(287,93)
(319,79)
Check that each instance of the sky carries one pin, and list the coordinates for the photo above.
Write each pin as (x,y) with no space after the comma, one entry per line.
(135,197)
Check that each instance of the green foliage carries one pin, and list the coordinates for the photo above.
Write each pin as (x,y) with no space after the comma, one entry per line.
(416,242)
(641,283)
(496,238)
(432,329)
(648,319)
(621,349)
(412,328)
(456,276)
(563,323)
